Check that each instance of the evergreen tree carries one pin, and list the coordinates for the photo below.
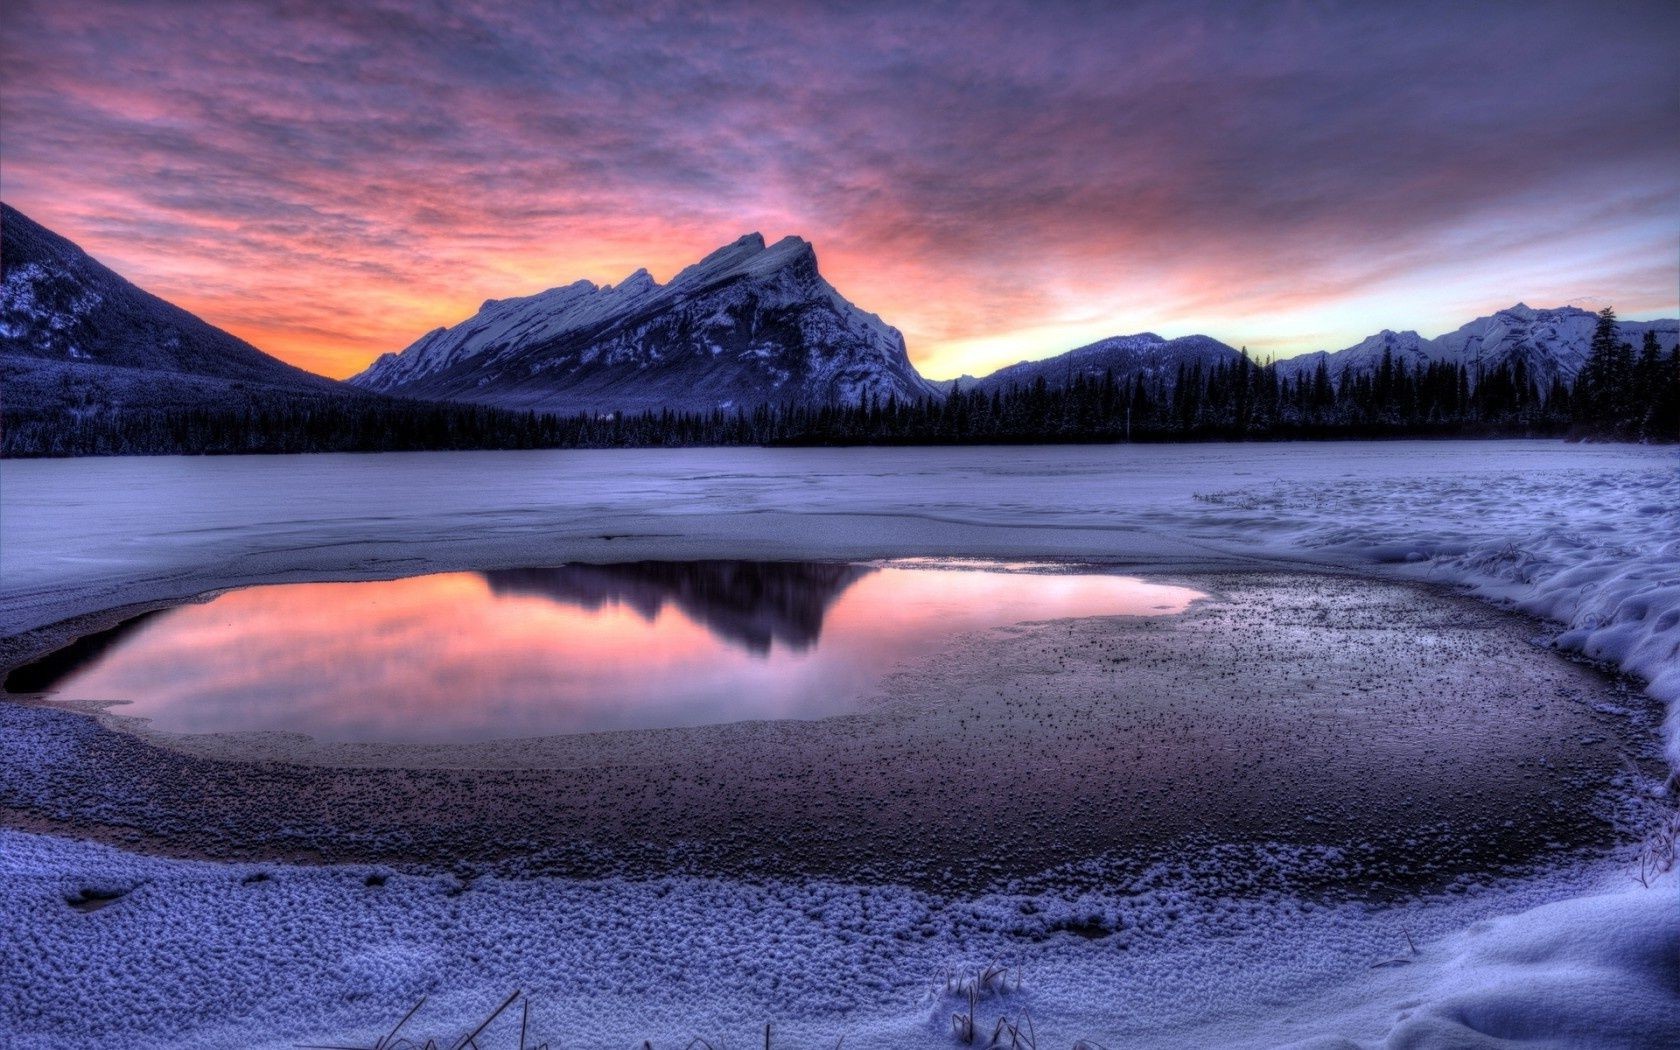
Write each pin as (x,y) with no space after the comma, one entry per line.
(1602,384)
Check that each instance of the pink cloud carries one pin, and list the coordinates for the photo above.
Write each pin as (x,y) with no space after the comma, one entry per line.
(329,183)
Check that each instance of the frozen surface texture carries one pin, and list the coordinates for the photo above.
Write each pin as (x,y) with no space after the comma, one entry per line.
(1596,550)
(1586,535)
(202,954)
(104,946)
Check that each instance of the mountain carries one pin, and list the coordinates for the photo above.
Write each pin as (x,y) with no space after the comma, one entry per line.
(1126,356)
(58,306)
(944,386)
(1364,356)
(746,325)
(1552,343)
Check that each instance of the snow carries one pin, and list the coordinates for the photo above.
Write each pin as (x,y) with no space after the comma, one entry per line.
(1595,971)
(1596,551)
(847,352)
(35,300)
(1585,536)
(1553,343)
(199,954)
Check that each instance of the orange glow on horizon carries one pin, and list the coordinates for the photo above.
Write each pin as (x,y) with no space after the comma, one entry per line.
(330,182)
(320,321)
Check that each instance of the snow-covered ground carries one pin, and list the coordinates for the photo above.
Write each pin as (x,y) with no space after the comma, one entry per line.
(211,955)
(1586,536)
(1595,549)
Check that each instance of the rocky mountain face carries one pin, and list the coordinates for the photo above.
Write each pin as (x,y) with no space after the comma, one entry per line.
(1126,356)
(1551,343)
(749,324)
(59,307)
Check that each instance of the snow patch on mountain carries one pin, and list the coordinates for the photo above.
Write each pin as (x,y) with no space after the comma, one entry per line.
(749,323)
(1142,354)
(504,323)
(1552,344)
(41,309)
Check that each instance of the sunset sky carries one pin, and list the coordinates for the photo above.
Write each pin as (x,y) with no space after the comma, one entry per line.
(999,181)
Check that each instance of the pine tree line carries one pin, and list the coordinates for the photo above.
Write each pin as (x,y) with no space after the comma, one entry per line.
(1628,395)
(1620,394)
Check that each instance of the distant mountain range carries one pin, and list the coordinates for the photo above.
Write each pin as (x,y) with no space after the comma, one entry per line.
(1552,343)
(749,324)
(1126,356)
(746,325)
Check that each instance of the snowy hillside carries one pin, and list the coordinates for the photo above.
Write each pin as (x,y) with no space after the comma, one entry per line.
(59,305)
(1365,355)
(748,324)
(1552,343)
(1126,356)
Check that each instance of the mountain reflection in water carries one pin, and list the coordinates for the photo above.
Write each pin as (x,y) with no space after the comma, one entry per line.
(461,657)
(749,603)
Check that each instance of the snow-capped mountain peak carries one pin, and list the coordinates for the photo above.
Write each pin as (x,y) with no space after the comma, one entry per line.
(1549,343)
(749,323)
(637,283)
(1124,356)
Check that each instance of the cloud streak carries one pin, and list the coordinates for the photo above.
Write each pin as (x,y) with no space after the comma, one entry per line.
(1000,181)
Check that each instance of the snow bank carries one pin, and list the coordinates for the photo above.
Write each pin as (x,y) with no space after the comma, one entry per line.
(1600,971)
(1596,552)
(194,954)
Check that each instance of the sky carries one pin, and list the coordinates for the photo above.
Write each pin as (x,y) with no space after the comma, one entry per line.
(1000,181)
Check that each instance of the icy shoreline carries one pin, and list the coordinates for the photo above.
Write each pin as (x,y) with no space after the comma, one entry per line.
(1596,553)
(1585,536)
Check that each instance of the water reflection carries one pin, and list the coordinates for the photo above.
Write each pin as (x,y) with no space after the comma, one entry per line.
(466,656)
(45,674)
(750,603)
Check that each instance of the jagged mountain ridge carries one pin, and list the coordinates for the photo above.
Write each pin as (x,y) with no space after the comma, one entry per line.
(1552,343)
(61,307)
(1125,356)
(749,324)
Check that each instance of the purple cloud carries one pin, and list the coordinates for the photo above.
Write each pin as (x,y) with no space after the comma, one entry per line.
(999,180)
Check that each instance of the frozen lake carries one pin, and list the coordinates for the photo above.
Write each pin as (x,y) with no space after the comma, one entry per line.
(87,534)
(1223,826)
